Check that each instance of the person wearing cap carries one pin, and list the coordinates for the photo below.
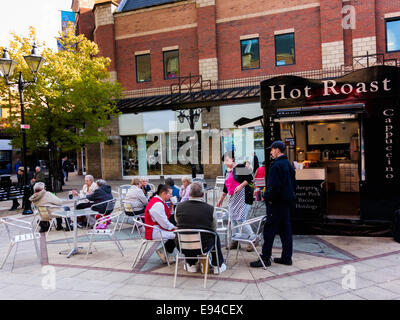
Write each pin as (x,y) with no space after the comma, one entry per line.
(279,197)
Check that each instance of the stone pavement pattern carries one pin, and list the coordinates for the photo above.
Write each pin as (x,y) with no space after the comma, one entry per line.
(320,266)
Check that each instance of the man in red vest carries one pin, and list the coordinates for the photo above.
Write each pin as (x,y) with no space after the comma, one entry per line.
(157,214)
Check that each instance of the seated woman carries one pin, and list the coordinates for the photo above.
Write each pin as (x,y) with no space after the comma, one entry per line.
(136,196)
(88,187)
(144,185)
(185,188)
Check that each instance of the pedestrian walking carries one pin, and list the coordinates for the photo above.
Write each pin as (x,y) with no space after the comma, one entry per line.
(279,197)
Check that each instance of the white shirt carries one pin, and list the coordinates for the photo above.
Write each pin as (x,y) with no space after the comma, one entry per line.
(89,190)
(157,213)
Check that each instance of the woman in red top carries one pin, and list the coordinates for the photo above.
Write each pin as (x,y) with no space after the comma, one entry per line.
(260,173)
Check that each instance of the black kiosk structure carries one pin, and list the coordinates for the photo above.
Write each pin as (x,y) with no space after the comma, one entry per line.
(343,137)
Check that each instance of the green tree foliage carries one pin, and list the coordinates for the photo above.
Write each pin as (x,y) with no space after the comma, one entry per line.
(71,99)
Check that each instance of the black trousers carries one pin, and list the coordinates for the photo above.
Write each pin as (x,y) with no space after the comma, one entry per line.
(278,222)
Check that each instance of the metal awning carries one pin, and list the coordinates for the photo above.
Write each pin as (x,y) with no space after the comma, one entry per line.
(201,99)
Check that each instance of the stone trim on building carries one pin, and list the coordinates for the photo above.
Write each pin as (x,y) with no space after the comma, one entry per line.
(361,47)
(270,12)
(170,48)
(392,15)
(250,36)
(208,68)
(147,33)
(278,32)
(138,53)
(205,3)
(332,54)
(104,14)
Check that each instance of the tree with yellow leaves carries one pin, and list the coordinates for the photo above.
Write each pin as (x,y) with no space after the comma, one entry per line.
(70,101)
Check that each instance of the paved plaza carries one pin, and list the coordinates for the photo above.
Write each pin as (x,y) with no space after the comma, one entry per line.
(324,267)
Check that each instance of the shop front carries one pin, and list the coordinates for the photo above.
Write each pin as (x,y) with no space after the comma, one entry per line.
(343,137)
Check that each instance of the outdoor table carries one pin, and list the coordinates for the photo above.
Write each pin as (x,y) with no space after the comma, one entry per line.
(74,214)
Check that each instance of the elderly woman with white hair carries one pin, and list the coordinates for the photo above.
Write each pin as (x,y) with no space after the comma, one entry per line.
(89,187)
(184,191)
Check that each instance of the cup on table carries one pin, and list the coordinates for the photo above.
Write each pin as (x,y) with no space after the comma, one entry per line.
(70,195)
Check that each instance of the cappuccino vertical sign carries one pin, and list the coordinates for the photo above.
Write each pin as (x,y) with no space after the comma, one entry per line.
(389,114)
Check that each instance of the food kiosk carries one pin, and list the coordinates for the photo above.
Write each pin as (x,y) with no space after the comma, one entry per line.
(343,137)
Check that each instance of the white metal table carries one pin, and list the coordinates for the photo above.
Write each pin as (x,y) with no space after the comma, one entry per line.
(74,214)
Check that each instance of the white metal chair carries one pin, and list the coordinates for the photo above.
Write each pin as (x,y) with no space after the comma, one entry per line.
(109,230)
(144,242)
(44,214)
(249,239)
(219,181)
(223,223)
(21,225)
(259,184)
(110,205)
(123,190)
(190,239)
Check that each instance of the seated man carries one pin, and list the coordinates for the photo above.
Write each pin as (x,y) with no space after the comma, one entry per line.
(39,176)
(101,194)
(157,214)
(43,198)
(196,214)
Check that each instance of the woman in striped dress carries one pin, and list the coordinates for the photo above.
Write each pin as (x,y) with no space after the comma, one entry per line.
(237,180)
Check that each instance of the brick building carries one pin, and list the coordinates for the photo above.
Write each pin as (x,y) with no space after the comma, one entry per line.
(157,47)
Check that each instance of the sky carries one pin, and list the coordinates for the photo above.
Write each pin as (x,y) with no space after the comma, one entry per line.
(44,15)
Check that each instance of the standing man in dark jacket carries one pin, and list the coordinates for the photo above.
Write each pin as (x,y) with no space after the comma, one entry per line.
(66,166)
(20,184)
(279,198)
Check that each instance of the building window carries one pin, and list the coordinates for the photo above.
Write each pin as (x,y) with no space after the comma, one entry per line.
(143,70)
(171,64)
(250,54)
(284,49)
(393,35)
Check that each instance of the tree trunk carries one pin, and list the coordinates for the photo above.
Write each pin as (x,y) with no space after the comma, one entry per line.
(55,168)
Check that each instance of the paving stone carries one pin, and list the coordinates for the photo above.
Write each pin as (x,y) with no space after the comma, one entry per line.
(306,293)
(286,283)
(328,289)
(380,275)
(376,293)
(393,286)
(344,296)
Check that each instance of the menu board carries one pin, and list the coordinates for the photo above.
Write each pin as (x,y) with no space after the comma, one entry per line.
(310,199)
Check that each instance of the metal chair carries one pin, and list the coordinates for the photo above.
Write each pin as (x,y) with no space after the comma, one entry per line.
(44,214)
(123,190)
(219,181)
(110,205)
(190,239)
(259,184)
(29,235)
(107,220)
(249,239)
(144,242)
(223,223)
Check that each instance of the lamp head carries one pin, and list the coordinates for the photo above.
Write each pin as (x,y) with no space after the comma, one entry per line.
(35,61)
(7,65)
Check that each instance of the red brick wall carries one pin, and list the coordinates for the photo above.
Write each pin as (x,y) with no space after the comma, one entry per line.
(188,57)
(313,26)
(206,32)
(331,21)
(104,37)
(383,7)
(306,24)
(86,23)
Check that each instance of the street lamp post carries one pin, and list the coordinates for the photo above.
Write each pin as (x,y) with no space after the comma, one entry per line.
(193,117)
(7,66)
